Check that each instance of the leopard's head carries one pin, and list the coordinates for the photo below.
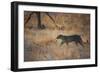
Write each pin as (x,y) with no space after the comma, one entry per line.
(59,36)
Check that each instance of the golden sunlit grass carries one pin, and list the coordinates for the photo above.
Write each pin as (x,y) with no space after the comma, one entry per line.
(45,46)
(41,44)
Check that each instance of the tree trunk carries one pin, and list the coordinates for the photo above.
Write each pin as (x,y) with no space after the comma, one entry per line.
(28,18)
(39,19)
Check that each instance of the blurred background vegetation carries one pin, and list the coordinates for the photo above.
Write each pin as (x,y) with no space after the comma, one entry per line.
(42,28)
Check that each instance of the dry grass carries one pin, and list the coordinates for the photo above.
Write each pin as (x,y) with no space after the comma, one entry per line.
(42,44)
